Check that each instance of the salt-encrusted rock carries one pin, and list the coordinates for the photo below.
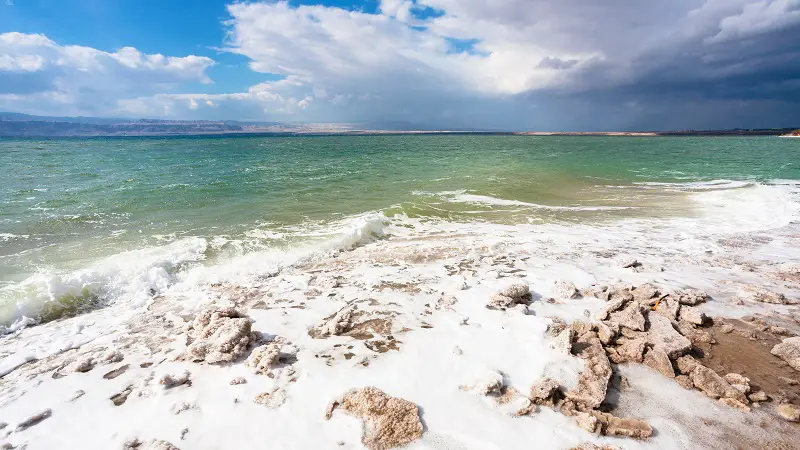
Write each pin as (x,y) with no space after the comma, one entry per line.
(76,395)
(668,307)
(739,382)
(691,297)
(714,385)
(516,291)
(82,364)
(592,446)
(180,407)
(542,392)
(112,356)
(789,351)
(593,381)
(685,382)
(613,305)
(663,336)
(686,364)
(632,350)
(631,317)
(762,295)
(607,333)
(759,396)
(789,412)
(152,444)
(562,344)
(389,422)
(34,420)
(657,359)
(630,264)
(446,301)
(498,301)
(555,327)
(271,399)
(237,381)
(588,422)
(491,382)
(726,328)
(511,403)
(219,335)
(565,289)
(263,358)
(692,315)
(170,381)
(338,324)
(645,293)
(625,427)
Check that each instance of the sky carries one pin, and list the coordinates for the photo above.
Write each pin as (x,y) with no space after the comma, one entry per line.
(450,64)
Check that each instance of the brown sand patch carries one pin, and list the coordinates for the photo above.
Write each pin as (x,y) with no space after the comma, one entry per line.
(746,351)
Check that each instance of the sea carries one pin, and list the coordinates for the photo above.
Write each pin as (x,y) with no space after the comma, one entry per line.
(89,223)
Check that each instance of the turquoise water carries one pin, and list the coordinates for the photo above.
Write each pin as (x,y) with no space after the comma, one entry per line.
(67,203)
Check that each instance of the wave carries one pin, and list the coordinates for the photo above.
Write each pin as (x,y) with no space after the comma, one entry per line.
(181,267)
(462,197)
(712,185)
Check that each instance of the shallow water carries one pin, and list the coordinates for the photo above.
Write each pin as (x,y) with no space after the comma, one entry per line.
(86,221)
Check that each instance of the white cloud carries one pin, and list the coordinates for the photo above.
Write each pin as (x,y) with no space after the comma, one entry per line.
(39,75)
(472,62)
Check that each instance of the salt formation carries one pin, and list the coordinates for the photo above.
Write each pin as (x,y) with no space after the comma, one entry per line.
(219,335)
(339,323)
(789,351)
(152,444)
(511,296)
(389,422)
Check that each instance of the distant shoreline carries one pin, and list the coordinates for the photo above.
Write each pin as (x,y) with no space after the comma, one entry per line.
(299,133)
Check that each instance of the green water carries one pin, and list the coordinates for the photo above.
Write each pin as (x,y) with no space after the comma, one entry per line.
(80,199)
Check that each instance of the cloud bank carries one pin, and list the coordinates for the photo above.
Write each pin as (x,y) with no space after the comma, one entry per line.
(515,64)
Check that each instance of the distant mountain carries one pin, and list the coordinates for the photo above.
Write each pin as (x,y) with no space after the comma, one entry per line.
(16,124)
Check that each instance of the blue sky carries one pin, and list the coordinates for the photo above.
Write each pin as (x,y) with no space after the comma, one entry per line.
(489,64)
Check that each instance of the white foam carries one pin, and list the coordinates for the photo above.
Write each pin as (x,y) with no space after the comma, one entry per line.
(463,197)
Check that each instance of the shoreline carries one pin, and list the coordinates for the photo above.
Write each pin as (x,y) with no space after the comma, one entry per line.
(418,329)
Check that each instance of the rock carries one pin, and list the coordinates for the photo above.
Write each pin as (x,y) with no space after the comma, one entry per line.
(497,301)
(789,351)
(780,331)
(511,403)
(112,357)
(615,426)
(34,420)
(789,412)
(762,295)
(591,446)
(741,383)
(685,382)
(152,444)
(446,302)
(491,382)
(82,364)
(733,403)
(686,364)
(663,336)
(630,264)
(758,396)
(116,372)
(593,381)
(565,289)
(263,358)
(691,297)
(170,381)
(645,293)
(180,407)
(692,315)
(657,359)
(631,317)
(632,350)
(335,325)
(588,422)
(388,421)
(612,306)
(714,385)
(668,307)
(76,395)
(542,392)
(271,399)
(555,327)
(219,335)
(516,291)
(562,344)
(726,328)
(237,381)
(606,333)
